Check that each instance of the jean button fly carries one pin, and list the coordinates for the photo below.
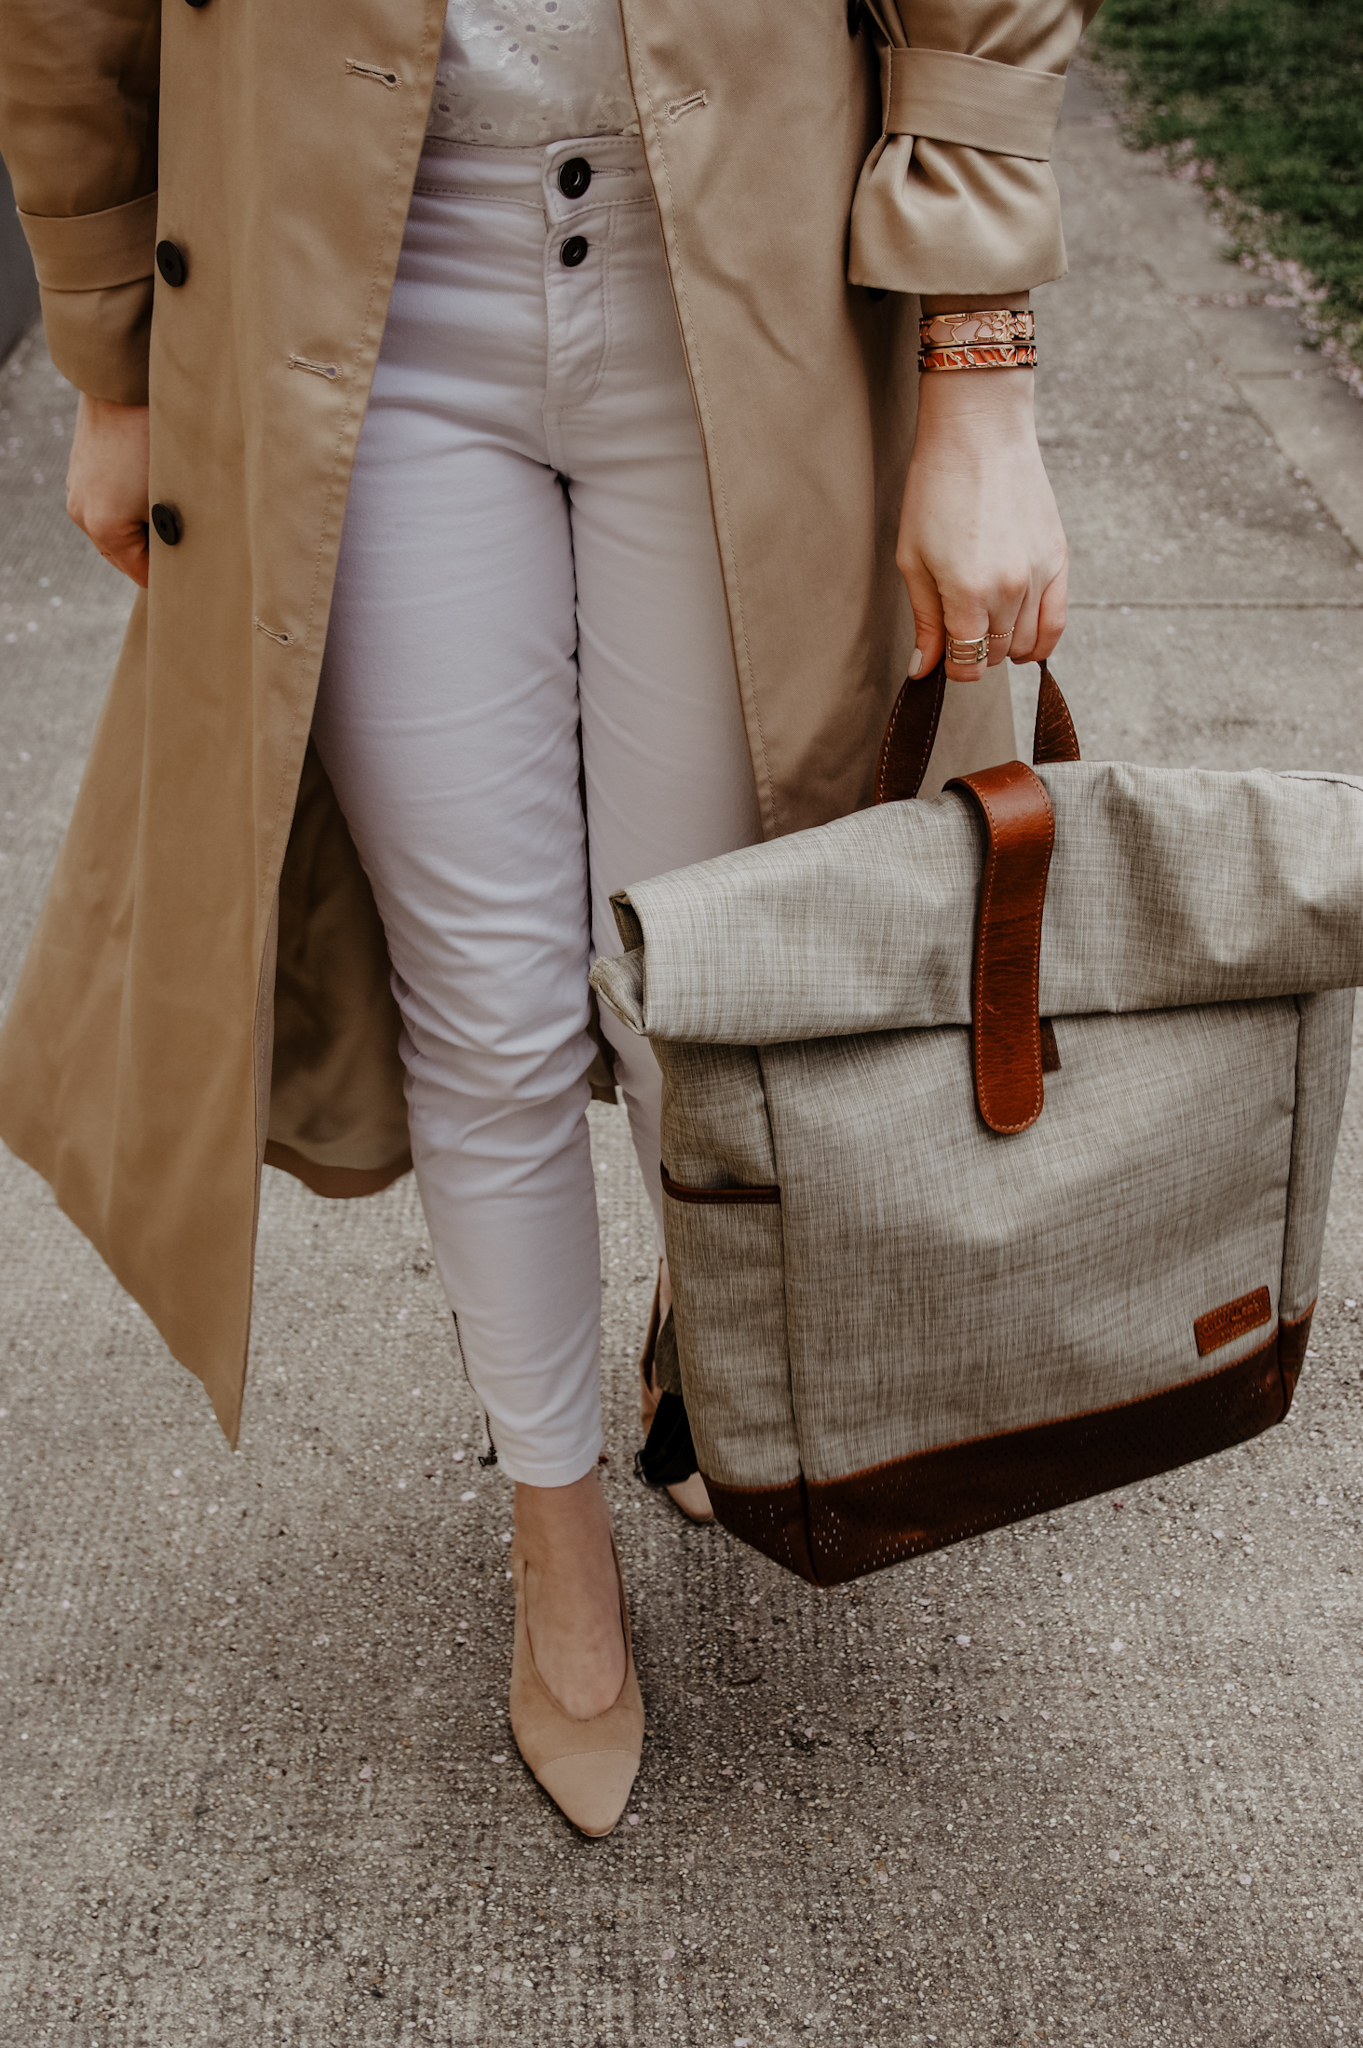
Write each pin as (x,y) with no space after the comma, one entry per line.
(575,177)
(573,252)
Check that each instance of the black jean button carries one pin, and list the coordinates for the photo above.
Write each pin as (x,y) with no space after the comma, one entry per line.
(168,524)
(170,261)
(575,177)
(573,252)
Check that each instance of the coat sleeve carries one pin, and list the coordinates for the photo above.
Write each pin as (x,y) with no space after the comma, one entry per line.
(78,114)
(958,194)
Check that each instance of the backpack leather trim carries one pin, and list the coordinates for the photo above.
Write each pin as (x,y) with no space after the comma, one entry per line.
(830,1531)
(680,1193)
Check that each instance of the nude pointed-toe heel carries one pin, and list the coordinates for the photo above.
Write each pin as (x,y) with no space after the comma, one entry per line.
(586,1767)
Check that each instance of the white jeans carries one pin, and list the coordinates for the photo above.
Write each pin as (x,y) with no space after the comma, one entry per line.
(528,551)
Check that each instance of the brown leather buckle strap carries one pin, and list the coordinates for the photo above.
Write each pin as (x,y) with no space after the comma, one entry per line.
(917,713)
(1020,832)
(1012,1045)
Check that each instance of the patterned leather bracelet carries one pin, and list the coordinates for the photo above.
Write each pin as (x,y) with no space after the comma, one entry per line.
(996,339)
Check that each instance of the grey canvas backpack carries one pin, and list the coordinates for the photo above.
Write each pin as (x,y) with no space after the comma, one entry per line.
(997,1134)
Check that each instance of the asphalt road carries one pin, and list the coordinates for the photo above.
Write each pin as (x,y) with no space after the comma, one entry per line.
(1092,1780)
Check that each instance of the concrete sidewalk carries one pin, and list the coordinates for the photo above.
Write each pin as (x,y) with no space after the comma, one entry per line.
(1089,1781)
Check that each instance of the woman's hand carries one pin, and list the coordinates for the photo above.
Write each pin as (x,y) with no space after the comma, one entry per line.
(106,481)
(981,546)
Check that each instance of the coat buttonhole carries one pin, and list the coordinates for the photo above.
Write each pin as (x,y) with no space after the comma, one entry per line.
(374,71)
(676,108)
(318,369)
(270,632)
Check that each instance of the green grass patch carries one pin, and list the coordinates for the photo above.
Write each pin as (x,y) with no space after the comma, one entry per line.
(1270,94)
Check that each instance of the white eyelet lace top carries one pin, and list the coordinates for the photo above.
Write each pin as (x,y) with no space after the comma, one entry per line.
(514,73)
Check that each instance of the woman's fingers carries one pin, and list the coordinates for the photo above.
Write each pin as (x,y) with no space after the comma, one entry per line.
(1013,626)
(1041,620)
(929,631)
(1003,627)
(107,481)
(978,617)
(1051,616)
(1023,636)
(121,541)
(959,608)
(986,617)
(125,546)
(968,626)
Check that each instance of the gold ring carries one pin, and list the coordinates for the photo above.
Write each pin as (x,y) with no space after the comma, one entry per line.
(965,651)
(1000,636)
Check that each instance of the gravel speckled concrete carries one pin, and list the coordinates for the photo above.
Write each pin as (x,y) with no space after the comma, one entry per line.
(1090,1781)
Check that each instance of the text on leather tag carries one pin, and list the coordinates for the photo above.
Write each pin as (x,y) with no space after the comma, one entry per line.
(1233,1319)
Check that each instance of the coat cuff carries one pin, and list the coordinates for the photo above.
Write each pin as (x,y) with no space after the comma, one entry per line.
(952,97)
(943,217)
(95,279)
(958,194)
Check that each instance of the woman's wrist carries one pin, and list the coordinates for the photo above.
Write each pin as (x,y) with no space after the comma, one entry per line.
(996,406)
(106,411)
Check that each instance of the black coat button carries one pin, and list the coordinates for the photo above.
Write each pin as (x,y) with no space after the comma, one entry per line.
(573,252)
(575,177)
(170,261)
(198,3)
(168,524)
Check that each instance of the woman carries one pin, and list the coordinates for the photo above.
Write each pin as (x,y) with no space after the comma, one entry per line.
(595,328)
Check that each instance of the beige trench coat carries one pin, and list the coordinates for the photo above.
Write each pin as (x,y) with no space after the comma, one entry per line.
(207,987)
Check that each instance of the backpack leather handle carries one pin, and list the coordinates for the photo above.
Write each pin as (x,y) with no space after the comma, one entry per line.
(913,726)
(1019,829)
(1054,737)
